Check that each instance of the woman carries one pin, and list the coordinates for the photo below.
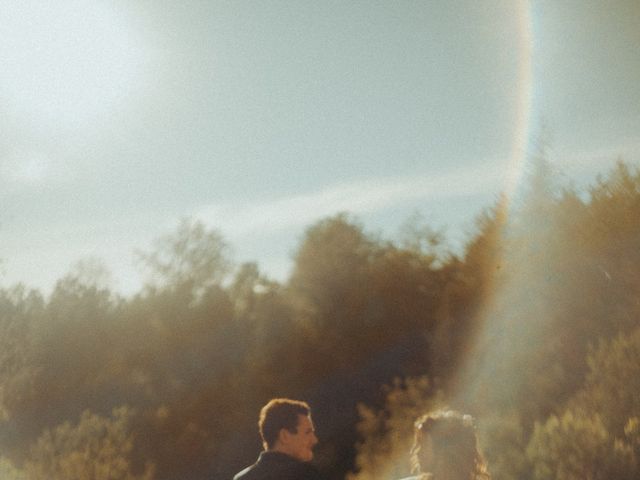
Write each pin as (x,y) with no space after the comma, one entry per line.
(445,447)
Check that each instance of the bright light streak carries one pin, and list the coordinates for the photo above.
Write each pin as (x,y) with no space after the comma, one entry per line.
(522,137)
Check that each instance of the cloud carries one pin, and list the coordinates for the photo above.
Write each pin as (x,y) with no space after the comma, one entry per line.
(25,167)
(359,197)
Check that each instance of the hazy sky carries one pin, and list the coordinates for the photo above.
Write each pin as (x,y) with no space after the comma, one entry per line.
(120,117)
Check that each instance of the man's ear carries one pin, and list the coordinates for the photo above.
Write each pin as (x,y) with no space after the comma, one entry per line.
(283,436)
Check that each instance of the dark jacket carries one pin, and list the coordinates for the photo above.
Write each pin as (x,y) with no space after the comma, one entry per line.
(278,466)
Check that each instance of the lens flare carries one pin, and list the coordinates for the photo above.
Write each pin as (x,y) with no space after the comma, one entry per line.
(504,300)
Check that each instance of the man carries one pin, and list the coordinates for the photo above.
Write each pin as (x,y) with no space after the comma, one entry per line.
(288,438)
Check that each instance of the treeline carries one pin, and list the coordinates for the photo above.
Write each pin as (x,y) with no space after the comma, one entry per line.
(554,375)
(533,328)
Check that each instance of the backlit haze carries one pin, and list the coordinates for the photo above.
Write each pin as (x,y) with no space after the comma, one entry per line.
(259,118)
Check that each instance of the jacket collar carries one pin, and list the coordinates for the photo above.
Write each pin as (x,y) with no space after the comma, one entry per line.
(276,457)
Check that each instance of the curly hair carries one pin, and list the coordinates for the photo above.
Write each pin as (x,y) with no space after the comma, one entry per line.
(445,447)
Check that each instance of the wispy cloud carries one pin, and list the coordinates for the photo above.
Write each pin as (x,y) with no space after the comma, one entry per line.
(359,197)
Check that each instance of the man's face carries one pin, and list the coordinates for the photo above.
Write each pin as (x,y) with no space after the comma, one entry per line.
(300,444)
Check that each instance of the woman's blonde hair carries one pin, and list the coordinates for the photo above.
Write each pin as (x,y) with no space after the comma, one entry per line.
(445,447)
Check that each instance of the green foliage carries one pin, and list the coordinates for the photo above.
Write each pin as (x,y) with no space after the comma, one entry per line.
(612,385)
(388,432)
(534,330)
(576,446)
(96,448)
(483,261)
(192,258)
(504,442)
(20,311)
(632,436)
(566,277)
(348,287)
(9,472)
(417,236)
(334,256)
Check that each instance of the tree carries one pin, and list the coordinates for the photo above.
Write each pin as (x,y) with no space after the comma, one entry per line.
(503,440)
(9,472)
(578,446)
(97,448)
(387,434)
(21,311)
(598,436)
(417,236)
(192,258)
(612,384)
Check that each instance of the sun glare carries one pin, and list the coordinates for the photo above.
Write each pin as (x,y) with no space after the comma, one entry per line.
(66,63)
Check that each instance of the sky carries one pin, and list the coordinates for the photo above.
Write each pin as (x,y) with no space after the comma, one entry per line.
(260,118)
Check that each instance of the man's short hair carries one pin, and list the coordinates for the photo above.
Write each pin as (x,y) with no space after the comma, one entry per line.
(280,413)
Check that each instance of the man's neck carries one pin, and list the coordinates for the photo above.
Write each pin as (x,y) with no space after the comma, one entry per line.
(281,450)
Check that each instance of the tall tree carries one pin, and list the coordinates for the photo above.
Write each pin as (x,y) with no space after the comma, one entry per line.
(193,258)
